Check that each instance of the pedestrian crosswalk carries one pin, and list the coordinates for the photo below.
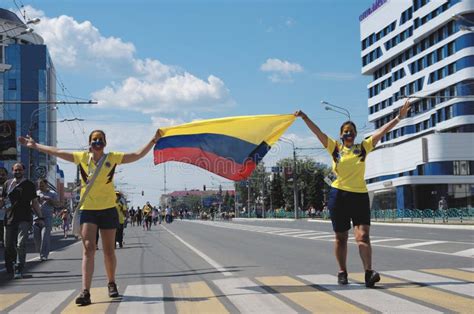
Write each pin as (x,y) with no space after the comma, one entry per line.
(458,248)
(425,290)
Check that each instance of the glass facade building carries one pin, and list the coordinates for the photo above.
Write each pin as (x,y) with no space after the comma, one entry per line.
(27,85)
(421,48)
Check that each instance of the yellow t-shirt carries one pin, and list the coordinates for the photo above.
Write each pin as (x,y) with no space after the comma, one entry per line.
(122,212)
(350,165)
(102,192)
(146,211)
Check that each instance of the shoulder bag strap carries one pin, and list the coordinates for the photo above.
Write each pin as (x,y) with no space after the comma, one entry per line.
(91,181)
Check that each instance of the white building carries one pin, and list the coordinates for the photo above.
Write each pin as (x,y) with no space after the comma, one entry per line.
(421,48)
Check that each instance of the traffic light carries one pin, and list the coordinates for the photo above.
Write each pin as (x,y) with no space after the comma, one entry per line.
(143,193)
(204,187)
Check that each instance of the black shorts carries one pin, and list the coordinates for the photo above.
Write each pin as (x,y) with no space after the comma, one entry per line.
(103,218)
(345,206)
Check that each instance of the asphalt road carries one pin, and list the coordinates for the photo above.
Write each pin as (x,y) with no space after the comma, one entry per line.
(255,266)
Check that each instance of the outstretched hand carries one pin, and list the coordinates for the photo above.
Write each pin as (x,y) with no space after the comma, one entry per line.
(27,141)
(300,114)
(404,109)
(158,135)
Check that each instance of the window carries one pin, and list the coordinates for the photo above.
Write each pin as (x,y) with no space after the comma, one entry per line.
(461,168)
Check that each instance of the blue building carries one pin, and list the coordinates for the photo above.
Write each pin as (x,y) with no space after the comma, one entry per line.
(421,48)
(28,93)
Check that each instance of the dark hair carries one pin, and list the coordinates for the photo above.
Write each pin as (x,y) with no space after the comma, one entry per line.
(19,163)
(97,131)
(346,123)
(43,180)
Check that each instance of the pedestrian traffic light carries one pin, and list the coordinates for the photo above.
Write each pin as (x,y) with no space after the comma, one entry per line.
(143,193)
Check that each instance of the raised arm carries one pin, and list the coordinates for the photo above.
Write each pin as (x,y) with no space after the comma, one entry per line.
(50,150)
(131,157)
(389,125)
(323,138)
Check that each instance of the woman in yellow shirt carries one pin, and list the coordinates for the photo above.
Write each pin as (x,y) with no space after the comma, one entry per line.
(98,209)
(348,198)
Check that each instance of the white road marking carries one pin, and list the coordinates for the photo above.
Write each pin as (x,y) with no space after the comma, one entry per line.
(443,283)
(375,299)
(209,260)
(43,302)
(412,245)
(468,253)
(385,240)
(142,299)
(249,297)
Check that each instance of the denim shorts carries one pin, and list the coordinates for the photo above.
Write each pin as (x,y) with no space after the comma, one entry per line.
(103,218)
(345,206)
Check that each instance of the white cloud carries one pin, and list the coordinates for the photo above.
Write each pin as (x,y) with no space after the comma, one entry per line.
(74,44)
(281,70)
(277,65)
(144,85)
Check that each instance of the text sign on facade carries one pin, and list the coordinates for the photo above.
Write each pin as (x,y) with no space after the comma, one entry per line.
(375,6)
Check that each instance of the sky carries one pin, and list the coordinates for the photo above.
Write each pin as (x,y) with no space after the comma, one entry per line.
(157,63)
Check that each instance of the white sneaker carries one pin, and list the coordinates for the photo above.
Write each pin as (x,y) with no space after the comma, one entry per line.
(43,258)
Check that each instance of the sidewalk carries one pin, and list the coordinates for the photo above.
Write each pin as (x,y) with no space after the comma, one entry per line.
(32,257)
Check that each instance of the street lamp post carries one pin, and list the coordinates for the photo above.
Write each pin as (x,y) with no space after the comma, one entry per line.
(329,106)
(295,187)
(248,198)
(30,152)
(30,134)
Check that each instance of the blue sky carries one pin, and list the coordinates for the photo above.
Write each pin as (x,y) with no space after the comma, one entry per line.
(152,63)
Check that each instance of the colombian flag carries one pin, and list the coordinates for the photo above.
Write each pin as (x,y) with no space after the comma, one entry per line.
(230,147)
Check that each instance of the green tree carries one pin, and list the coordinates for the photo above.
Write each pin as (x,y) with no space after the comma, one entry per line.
(276,190)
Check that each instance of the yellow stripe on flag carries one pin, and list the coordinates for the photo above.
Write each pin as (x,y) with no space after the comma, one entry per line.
(253,129)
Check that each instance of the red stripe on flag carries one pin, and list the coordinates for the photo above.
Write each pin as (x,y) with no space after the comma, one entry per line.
(219,165)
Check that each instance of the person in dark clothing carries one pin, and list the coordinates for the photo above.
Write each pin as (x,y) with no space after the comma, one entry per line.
(3,178)
(18,198)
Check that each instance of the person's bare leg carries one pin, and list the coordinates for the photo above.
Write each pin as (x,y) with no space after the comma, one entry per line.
(362,237)
(108,243)
(88,233)
(340,249)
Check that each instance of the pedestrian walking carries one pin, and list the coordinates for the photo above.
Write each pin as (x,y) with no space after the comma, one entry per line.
(48,199)
(19,199)
(3,178)
(122,212)
(169,215)
(348,198)
(155,215)
(98,210)
(64,214)
(147,216)
(139,216)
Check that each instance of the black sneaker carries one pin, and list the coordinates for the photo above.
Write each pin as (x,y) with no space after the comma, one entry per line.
(113,292)
(342,278)
(18,274)
(371,277)
(84,298)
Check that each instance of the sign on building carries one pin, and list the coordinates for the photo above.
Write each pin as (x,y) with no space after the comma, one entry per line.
(8,140)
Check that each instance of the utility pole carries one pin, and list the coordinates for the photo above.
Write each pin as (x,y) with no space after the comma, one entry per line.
(248,198)
(295,183)
(263,195)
